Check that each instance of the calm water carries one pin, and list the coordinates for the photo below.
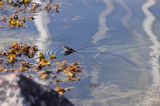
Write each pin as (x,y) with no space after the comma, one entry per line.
(124,69)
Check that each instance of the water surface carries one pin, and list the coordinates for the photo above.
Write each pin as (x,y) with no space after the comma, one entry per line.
(124,69)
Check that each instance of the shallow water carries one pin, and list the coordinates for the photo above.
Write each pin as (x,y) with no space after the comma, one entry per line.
(123,70)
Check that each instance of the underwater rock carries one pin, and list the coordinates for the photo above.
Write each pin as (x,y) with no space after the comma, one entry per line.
(17,90)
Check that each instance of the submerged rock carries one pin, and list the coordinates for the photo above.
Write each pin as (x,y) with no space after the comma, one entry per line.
(17,90)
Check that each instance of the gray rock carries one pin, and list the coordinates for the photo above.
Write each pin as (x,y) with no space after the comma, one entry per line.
(17,90)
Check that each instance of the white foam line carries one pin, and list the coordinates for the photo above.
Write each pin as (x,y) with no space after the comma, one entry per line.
(103,28)
(102,31)
(155,53)
(41,22)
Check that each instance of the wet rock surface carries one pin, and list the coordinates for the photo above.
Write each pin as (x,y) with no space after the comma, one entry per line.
(17,90)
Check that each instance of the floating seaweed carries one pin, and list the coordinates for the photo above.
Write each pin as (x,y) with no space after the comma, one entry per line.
(18,58)
(24,10)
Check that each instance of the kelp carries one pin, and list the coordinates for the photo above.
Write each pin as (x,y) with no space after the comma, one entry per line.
(22,11)
(20,57)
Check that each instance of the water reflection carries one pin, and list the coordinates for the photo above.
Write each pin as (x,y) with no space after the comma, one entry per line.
(103,28)
(99,35)
(155,53)
(41,22)
(107,94)
(125,19)
(118,75)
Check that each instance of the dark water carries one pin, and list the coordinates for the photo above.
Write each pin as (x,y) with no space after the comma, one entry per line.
(124,69)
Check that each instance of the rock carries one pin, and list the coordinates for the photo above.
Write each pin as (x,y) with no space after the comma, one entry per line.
(17,90)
